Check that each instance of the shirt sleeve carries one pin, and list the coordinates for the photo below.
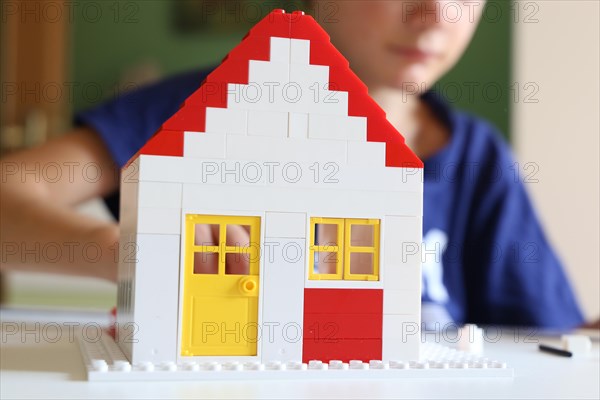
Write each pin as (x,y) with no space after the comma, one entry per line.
(515,275)
(127,122)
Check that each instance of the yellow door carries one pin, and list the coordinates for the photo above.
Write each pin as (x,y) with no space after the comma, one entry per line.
(220,286)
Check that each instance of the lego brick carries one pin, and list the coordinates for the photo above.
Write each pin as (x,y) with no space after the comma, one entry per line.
(307,76)
(305,96)
(471,340)
(257,97)
(186,118)
(404,203)
(282,306)
(336,326)
(210,94)
(164,143)
(207,171)
(366,154)
(402,156)
(332,102)
(401,337)
(263,96)
(271,73)
(367,178)
(156,296)
(285,150)
(223,198)
(226,120)
(321,173)
(579,345)
(125,286)
(159,195)
(300,52)
(362,105)
(204,145)
(298,125)
(286,225)
(279,50)
(277,23)
(225,172)
(344,203)
(402,277)
(401,327)
(230,71)
(268,123)
(402,242)
(165,221)
(342,78)
(404,179)
(246,98)
(160,168)
(397,152)
(325,53)
(304,26)
(342,284)
(105,361)
(377,177)
(343,350)
(355,301)
(337,127)
(256,47)
(402,301)
(401,350)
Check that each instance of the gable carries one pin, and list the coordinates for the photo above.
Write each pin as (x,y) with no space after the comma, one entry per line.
(286,64)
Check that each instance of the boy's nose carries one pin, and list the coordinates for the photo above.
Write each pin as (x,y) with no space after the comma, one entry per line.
(423,14)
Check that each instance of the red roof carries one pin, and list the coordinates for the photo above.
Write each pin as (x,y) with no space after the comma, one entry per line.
(168,140)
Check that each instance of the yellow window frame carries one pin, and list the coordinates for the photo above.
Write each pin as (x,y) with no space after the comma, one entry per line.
(344,249)
(222,249)
(339,222)
(348,249)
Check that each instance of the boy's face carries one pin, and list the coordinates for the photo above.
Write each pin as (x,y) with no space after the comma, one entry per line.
(400,43)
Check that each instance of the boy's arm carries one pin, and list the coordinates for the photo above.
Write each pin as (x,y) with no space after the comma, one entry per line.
(38,227)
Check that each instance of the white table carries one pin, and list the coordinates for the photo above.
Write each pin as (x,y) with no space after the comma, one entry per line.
(52,368)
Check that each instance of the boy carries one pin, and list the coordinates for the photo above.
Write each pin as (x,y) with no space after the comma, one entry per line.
(493,265)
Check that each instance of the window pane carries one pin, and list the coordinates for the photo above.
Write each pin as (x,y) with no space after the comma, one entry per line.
(206,263)
(238,235)
(237,264)
(326,234)
(362,235)
(325,262)
(361,263)
(206,235)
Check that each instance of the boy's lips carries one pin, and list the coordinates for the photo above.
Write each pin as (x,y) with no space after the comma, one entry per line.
(412,53)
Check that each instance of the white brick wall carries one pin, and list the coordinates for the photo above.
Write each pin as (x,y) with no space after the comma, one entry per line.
(284,149)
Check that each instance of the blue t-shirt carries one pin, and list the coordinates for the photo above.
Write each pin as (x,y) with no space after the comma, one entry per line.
(486,259)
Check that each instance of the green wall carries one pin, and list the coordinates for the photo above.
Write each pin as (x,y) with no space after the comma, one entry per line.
(131,32)
(142,31)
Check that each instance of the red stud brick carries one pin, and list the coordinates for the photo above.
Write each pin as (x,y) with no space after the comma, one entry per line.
(164,143)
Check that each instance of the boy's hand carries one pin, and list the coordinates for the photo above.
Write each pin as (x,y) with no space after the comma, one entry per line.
(37,219)
(107,239)
(209,235)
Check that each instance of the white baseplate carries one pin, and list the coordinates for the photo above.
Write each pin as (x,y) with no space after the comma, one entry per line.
(105,362)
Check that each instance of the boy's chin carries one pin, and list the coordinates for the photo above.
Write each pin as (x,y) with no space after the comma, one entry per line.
(412,79)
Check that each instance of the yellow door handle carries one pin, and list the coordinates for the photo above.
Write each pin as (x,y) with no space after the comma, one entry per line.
(248,285)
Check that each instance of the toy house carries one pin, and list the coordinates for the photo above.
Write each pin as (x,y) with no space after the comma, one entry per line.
(275,217)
